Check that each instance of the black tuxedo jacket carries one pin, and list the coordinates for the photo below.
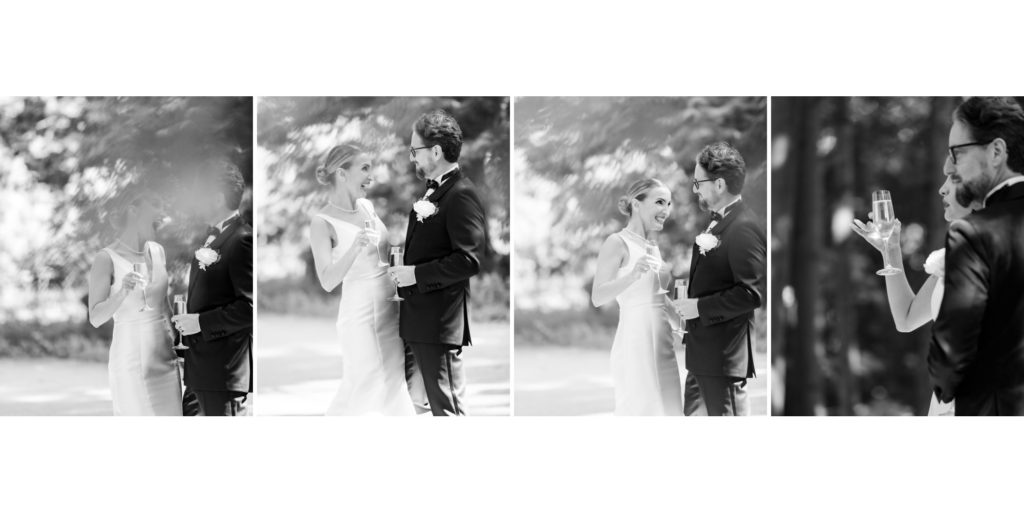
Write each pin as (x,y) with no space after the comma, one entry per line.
(977,349)
(220,355)
(729,283)
(446,249)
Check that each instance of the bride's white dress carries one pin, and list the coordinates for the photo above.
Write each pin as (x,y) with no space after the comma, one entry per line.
(373,356)
(937,408)
(142,368)
(645,373)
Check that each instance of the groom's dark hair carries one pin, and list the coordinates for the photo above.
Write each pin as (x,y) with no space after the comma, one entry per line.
(439,128)
(721,160)
(989,118)
(229,181)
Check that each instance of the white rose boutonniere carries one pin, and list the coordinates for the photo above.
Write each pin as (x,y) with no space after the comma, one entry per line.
(706,242)
(424,209)
(206,257)
(936,263)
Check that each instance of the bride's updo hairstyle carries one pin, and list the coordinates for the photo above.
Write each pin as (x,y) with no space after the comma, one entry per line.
(638,190)
(338,156)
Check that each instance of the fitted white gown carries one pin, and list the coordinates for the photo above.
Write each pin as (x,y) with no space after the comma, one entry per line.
(373,355)
(645,372)
(142,368)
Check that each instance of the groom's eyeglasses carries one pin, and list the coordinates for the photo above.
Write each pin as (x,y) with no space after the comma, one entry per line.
(696,183)
(412,150)
(952,149)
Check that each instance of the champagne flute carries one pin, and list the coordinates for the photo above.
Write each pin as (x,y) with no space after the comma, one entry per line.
(681,286)
(885,223)
(140,268)
(650,247)
(374,236)
(179,309)
(397,259)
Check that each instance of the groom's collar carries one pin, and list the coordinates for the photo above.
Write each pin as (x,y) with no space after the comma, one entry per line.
(224,223)
(447,174)
(1005,184)
(723,211)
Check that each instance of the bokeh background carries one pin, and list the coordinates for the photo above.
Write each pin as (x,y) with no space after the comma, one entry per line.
(835,348)
(574,157)
(299,358)
(66,164)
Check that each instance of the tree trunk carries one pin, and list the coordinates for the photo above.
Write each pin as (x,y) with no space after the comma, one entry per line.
(803,391)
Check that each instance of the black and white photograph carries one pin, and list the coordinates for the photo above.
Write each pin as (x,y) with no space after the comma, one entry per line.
(383,256)
(898,256)
(126,274)
(640,256)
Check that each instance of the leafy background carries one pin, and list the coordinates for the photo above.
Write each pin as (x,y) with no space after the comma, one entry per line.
(66,165)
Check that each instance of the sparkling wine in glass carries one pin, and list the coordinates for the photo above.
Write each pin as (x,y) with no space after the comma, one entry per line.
(397,259)
(885,223)
(371,231)
(179,309)
(681,286)
(651,250)
(140,268)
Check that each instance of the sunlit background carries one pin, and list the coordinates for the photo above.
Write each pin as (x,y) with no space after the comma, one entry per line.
(66,166)
(574,157)
(299,357)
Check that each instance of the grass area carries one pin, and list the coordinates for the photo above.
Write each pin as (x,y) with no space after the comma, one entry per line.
(489,298)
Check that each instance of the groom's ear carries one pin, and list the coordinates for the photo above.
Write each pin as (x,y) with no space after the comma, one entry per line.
(998,155)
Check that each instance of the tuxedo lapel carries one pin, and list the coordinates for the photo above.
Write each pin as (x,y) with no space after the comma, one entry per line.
(433,198)
(215,245)
(730,217)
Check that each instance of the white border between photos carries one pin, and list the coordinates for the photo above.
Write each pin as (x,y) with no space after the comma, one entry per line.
(514,49)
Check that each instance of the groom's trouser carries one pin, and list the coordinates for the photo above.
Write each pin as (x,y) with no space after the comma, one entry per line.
(723,396)
(692,404)
(443,378)
(223,403)
(414,380)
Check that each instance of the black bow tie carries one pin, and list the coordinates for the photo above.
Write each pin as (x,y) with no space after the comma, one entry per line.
(212,231)
(715,216)
(433,184)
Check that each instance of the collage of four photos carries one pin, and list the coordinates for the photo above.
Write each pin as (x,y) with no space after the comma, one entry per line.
(511,256)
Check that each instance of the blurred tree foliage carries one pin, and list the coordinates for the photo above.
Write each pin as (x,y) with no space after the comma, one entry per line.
(576,156)
(294,135)
(68,164)
(835,348)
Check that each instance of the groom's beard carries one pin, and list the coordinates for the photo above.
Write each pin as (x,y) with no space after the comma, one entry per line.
(420,173)
(972,191)
(704,206)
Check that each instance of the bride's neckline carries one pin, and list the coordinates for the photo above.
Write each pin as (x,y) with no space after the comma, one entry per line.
(636,237)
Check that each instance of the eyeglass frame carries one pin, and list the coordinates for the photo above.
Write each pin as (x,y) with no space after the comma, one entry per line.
(952,153)
(412,150)
(698,182)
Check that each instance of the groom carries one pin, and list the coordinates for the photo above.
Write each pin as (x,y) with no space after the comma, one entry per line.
(218,326)
(444,244)
(727,284)
(977,350)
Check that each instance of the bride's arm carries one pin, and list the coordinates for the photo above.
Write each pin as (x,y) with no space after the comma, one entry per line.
(331,274)
(609,259)
(909,310)
(102,304)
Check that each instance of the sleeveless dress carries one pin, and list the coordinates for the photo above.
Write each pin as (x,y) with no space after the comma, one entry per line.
(373,355)
(645,373)
(142,367)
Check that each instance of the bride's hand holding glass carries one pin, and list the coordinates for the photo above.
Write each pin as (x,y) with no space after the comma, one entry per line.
(132,280)
(645,264)
(869,232)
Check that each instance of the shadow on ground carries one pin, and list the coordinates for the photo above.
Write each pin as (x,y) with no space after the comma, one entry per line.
(299,360)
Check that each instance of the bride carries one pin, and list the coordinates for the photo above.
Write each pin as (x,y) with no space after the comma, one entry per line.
(347,253)
(645,373)
(128,282)
(910,310)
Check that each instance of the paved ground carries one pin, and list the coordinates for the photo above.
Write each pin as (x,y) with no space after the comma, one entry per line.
(299,360)
(567,381)
(46,387)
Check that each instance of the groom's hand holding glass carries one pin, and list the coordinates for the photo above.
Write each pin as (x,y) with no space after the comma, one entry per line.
(403,275)
(687,308)
(187,324)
